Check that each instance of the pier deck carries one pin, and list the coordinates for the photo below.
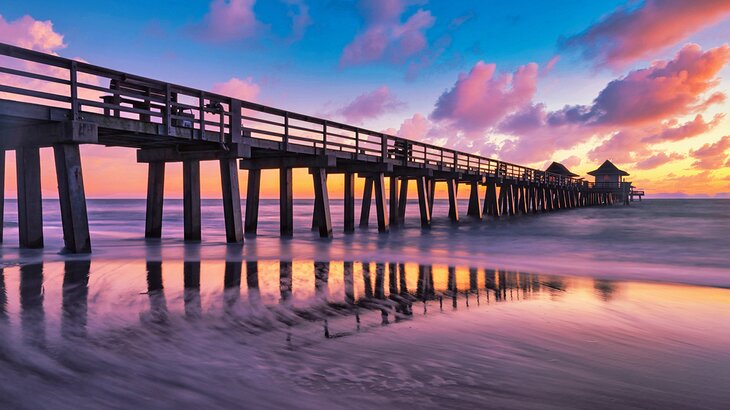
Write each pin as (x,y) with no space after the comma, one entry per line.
(49,101)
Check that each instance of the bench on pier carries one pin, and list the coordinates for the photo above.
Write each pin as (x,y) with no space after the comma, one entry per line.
(146,98)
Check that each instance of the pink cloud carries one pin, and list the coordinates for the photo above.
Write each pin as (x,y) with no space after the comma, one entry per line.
(228,20)
(631,33)
(480,99)
(689,129)
(384,37)
(711,156)
(235,87)
(30,33)
(370,105)
(666,88)
(657,160)
(415,128)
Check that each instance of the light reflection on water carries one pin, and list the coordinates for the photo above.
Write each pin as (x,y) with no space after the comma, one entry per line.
(118,333)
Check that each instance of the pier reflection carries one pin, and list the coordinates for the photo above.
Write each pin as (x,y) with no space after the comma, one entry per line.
(280,293)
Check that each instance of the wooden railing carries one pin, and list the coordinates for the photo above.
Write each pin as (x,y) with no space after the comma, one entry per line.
(31,76)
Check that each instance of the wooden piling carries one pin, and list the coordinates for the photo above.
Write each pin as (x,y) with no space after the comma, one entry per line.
(191,200)
(30,208)
(349,202)
(431,194)
(231,200)
(403,200)
(453,203)
(72,198)
(367,195)
(491,203)
(155,199)
(286,203)
(253,190)
(393,200)
(423,206)
(380,207)
(475,208)
(322,202)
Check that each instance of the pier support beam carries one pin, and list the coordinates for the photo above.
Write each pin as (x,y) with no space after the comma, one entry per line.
(393,200)
(231,200)
(30,210)
(431,194)
(381,209)
(71,195)
(253,191)
(191,200)
(155,200)
(491,204)
(403,200)
(322,203)
(349,202)
(475,209)
(367,196)
(423,206)
(286,203)
(453,204)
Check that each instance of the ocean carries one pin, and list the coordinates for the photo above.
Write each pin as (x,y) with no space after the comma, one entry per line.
(603,307)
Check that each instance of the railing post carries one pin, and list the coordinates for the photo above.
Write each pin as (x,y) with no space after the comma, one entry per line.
(383,147)
(324,138)
(236,125)
(285,141)
(168,109)
(201,107)
(357,142)
(73,77)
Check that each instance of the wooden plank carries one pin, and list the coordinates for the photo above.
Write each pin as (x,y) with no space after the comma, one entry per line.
(191,200)
(155,199)
(30,208)
(322,203)
(380,207)
(253,191)
(49,134)
(349,202)
(72,198)
(367,196)
(286,203)
(231,200)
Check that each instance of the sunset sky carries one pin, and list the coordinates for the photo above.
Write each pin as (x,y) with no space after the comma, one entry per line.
(642,83)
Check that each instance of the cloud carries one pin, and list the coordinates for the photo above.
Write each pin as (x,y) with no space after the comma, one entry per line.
(300,19)
(415,128)
(370,105)
(634,32)
(481,98)
(30,33)
(235,87)
(571,161)
(228,20)
(384,37)
(657,160)
(689,129)
(711,156)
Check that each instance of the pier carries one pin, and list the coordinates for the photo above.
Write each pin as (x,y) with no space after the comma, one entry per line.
(62,103)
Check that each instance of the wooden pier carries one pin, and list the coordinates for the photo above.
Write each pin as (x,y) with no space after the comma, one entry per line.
(49,101)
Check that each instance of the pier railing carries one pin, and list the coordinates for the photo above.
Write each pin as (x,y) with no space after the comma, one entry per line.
(82,88)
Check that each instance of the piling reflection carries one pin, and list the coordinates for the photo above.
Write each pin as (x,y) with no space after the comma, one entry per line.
(31,304)
(75,298)
(286,293)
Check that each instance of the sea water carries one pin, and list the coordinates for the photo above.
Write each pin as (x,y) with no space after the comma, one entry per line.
(598,307)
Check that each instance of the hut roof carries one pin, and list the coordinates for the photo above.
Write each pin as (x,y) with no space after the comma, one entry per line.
(560,169)
(607,168)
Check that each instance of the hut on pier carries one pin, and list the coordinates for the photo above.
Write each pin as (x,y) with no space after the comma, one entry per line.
(557,168)
(608,175)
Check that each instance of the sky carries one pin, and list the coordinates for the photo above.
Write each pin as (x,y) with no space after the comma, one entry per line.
(642,83)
